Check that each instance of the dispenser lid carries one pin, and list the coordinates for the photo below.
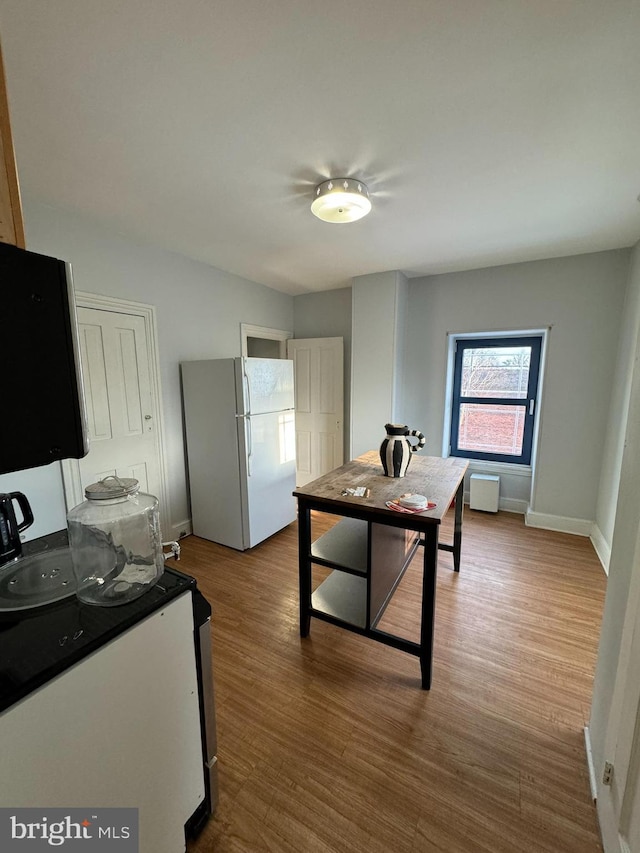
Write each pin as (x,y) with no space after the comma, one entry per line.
(112,487)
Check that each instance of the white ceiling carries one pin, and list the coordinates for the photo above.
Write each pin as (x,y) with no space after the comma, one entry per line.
(488,131)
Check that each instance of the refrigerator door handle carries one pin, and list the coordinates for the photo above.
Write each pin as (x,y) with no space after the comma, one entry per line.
(247,399)
(247,422)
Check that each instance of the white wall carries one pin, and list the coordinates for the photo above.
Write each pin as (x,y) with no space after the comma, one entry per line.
(614,442)
(400,332)
(580,299)
(379,303)
(199,311)
(43,488)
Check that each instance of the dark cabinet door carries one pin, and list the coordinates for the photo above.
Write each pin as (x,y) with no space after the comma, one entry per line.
(41,407)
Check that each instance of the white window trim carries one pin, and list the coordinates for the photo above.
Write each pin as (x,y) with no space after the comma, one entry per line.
(491,467)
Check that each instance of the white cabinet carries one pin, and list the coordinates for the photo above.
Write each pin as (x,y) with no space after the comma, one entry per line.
(120,728)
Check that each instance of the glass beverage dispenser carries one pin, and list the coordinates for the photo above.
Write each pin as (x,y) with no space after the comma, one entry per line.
(115,542)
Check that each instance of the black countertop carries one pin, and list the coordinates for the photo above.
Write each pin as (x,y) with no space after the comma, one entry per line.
(40,643)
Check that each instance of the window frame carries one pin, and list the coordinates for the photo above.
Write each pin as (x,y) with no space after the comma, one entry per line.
(535,341)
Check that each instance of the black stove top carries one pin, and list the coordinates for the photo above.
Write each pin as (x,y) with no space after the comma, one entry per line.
(38,644)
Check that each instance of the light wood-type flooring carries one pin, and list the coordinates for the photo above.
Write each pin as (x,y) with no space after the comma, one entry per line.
(329,745)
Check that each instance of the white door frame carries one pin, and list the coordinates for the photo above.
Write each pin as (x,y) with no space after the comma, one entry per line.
(622,738)
(249,331)
(73,492)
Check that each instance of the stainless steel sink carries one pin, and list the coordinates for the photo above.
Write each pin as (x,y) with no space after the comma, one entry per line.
(37,580)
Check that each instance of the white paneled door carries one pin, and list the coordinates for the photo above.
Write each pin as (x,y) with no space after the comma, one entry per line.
(118,393)
(318,368)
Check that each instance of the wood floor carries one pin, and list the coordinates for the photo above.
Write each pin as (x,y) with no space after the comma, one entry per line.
(328,744)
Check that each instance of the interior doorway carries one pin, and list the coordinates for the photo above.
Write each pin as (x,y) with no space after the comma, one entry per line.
(318,372)
(319,393)
(262,342)
(121,380)
(260,348)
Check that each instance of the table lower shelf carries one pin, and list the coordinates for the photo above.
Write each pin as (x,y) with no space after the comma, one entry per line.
(341,600)
(345,546)
(342,596)
(354,593)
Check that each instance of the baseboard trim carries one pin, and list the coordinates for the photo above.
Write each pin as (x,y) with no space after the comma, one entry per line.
(177,531)
(601,547)
(592,770)
(513,505)
(506,504)
(559,523)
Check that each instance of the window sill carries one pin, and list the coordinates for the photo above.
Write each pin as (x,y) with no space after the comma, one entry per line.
(486,466)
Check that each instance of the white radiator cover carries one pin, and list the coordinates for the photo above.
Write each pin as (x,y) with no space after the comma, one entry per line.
(484,492)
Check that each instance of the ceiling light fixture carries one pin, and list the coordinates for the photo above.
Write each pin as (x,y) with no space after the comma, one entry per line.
(341,200)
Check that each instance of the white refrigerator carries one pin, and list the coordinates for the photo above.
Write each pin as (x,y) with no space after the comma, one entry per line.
(240,431)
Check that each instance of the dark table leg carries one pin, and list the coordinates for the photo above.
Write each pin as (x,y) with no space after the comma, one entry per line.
(457,529)
(304,566)
(428,603)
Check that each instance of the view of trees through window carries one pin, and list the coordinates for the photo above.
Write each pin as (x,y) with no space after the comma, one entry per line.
(494,372)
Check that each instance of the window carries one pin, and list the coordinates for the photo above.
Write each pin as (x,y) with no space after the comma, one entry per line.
(495,387)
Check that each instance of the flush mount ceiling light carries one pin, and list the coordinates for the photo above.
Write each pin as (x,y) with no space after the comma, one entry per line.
(341,200)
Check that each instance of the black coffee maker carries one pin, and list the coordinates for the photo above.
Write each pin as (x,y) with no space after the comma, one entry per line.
(10,530)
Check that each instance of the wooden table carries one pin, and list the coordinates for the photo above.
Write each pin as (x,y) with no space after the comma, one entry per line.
(371,547)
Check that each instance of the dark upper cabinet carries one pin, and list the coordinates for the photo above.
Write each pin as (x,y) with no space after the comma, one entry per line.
(42,416)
